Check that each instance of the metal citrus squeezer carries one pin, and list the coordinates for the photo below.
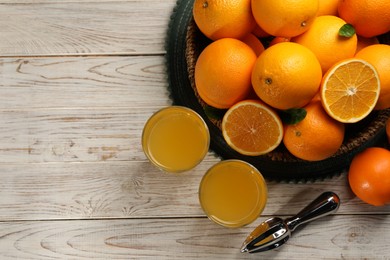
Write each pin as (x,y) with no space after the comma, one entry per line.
(275,231)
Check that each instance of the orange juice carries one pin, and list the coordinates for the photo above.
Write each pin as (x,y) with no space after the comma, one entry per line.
(175,139)
(233,193)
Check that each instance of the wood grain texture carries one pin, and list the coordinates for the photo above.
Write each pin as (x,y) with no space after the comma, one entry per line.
(83,28)
(72,135)
(78,80)
(337,237)
(83,82)
(136,189)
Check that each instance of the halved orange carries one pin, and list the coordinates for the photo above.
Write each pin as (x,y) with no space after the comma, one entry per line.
(252,128)
(350,90)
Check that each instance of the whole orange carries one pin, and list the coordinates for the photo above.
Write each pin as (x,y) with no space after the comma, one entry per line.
(369,17)
(379,56)
(223,72)
(369,176)
(286,18)
(324,40)
(224,19)
(316,137)
(286,75)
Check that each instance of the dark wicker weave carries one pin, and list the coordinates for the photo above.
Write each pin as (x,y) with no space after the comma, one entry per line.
(184,44)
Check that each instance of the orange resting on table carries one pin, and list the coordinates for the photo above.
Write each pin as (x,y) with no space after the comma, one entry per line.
(369,176)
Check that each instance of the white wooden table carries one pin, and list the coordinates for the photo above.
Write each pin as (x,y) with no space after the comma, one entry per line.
(78,79)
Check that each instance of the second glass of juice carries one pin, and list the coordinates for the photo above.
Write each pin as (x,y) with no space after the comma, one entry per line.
(175,139)
(233,193)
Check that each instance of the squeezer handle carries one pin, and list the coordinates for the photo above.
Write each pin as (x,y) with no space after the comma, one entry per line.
(325,204)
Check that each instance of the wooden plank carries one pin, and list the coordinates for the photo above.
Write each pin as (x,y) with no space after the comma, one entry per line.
(74,82)
(77,135)
(83,28)
(137,190)
(338,237)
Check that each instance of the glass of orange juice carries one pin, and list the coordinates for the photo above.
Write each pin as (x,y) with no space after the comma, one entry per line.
(175,139)
(233,193)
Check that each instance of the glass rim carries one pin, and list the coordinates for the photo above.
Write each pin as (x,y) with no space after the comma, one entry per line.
(181,109)
(262,192)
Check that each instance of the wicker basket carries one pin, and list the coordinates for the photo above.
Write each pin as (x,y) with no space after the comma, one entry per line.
(278,164)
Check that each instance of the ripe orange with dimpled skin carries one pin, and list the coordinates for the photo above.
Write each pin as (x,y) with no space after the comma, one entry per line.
(368,17)
(379,56)
(324,40)
(286,18)
(302,139)
(223,72)
(369,176)
(286,75)
(219,19)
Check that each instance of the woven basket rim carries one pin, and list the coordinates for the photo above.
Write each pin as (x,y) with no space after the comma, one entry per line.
(183,45)
(192,52)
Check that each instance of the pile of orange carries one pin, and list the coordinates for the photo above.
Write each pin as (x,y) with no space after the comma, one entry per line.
(266,58)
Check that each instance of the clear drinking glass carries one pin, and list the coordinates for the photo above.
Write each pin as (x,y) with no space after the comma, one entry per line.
(233,193)
(175,139)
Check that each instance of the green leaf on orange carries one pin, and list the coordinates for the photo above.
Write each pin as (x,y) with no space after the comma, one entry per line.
(292,116)
(347,30)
